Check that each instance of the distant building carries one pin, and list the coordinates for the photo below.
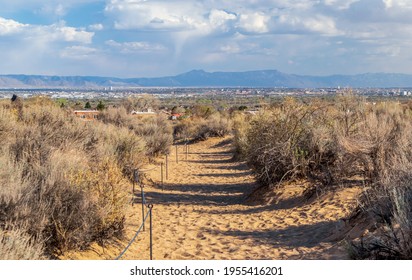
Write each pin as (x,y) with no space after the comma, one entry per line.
(175,116)
(87,115)
(252,112)
(148,113)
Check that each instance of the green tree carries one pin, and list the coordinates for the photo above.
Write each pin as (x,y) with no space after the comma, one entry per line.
(87,105)
(62,102)
(100,106)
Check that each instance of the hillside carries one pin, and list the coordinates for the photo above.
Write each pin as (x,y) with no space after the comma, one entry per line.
(200,78)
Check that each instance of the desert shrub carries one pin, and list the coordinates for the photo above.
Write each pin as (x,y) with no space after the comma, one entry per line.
(334,142)
(241,124)
(182,130)
(119,143)
(106,188)
(18,245)
(380,142)
(140,103)
(117,116)
(155,132)
(326,141)
(7,121)
(62,181)
(203,111)
(289,141)
(391,207)
(387,133)
(215,125)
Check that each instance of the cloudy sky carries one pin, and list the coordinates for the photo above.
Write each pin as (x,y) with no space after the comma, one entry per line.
(136,38)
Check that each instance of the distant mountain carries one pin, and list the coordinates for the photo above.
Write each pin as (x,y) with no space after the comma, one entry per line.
(200,78)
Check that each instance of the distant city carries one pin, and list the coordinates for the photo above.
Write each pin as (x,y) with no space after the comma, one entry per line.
(113,93)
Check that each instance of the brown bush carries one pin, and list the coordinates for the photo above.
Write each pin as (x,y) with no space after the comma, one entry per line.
(117,116)
(333,142)
(387,136)
(290,141)
(391,207)
(62,180)
(215,125)
(155,132)
(18,245)
(241,123)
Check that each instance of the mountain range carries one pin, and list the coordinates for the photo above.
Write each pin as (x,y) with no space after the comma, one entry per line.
(200,78)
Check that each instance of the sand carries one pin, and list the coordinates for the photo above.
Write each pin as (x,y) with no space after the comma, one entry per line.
(207,210)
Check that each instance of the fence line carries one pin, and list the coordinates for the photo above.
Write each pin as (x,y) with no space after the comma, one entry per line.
(136,179)
(135,236)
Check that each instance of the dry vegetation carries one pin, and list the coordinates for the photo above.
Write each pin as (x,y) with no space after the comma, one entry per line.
(204,122)
(333,143)
(64,182)
(155,131)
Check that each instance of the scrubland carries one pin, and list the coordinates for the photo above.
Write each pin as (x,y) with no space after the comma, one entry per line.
(340,143)
(65,182)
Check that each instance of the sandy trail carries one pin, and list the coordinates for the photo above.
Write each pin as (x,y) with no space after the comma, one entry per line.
(202,213)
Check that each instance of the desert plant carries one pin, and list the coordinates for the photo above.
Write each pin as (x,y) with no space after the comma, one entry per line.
(15,244)
(391,206)
(62,180)
(157,134)
(286,142)
(241,124)
(334,142)
(215,125)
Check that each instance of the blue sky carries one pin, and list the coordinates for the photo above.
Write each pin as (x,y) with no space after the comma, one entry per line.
(145,38)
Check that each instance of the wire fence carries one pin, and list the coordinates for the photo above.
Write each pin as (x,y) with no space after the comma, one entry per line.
(138,179)
(134,237)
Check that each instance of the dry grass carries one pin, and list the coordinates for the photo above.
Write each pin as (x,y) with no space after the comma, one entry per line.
(201,128)
(156,132)
(63,182)
(18,245)
(286,142)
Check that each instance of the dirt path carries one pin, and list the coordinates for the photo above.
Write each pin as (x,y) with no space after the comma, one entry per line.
(202,214)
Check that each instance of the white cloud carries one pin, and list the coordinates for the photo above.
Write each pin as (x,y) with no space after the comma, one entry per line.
(96,27)
(254,22)
(340,4)
(203,18)
(135,47)
(171,16)
(230,48)
(322,25)
(78,52)
(54,32)
(317,35)
(319,24)
(220,19)
(397,4)
(54,9)
(160,15)
(68,34)
(8,26)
